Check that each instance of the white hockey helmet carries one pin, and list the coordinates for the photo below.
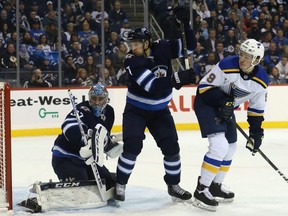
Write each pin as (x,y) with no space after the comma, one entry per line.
(254,48)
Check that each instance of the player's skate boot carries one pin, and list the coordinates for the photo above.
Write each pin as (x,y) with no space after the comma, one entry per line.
(119,192)
(221,193)
(203,198)
(178,194)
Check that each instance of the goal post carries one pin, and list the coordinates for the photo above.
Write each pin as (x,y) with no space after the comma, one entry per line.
(5,149)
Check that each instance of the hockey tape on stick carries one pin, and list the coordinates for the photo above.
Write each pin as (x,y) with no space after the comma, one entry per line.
(100,185)
(184,44)
(262,154)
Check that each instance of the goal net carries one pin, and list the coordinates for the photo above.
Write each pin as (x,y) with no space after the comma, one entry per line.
(5,149)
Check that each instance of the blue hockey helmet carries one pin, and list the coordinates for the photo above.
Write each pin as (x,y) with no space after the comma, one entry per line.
(139,34)
(98,98)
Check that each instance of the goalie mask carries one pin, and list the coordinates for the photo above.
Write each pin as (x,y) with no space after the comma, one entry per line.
(98,98)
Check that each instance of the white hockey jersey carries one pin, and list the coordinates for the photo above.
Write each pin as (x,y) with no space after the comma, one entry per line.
(228,76)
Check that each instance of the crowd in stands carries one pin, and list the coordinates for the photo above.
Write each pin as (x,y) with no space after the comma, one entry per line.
(220,26)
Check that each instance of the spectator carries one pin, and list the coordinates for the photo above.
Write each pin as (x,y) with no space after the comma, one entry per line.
(36,30)
(37,80)
(280,39)
(222,13)
(109,64)
(282,67)
(119,57)
(271,56)
(112,44)
(275,77)
(8,57)
(213,19)
(85,33)
(231,21)
(220,53)
(96,13)
(268,27)
(77,7)
(92,69)
(43,44)
(122,76)
(199,53)
(51,32)
(94,48)
(4,33)
(106,79)
(266,39)
(203,11)
(210,43)
(93,24)
(254,32)
(69,70)
(66,36)
(116,16)
(82,78)
(25,60)
(220,32)
(50,18)
(78,54)
(204,66)
(125,29)
(285,27)
(230,42)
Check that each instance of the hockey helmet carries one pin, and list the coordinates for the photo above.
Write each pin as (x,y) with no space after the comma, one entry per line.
(254,48)
(98,98)
(139,34)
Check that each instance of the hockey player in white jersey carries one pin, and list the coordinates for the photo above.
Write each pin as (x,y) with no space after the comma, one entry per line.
(230,82)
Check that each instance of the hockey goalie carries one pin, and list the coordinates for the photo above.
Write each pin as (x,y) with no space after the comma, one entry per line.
(78,158)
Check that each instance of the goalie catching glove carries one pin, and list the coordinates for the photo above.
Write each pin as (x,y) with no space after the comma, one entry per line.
(182,78)
(99,142)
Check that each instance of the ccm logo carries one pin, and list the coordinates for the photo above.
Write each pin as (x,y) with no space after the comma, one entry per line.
(67,184)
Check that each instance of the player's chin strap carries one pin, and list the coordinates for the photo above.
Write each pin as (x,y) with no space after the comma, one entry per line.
(100,185)
(262,154)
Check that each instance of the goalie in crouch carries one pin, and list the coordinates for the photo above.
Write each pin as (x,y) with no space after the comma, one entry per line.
(71,157)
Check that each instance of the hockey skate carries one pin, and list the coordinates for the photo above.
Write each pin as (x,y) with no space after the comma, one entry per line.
(178,194)
(203,198)
(119,193)
(221,194)
(113,149)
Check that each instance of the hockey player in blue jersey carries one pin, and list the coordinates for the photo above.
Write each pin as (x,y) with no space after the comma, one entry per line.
(231,82)
(149,92)
(71,158)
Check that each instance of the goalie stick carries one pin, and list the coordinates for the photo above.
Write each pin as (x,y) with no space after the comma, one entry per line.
(100,185)
(262,154)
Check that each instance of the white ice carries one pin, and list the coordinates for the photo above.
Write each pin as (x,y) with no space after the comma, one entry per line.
(259,189)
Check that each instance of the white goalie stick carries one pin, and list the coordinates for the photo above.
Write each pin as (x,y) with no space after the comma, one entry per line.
(100,185)
(262,154)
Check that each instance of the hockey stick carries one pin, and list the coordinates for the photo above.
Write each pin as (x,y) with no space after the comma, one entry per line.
(101,188)
(184,44)
(262,154)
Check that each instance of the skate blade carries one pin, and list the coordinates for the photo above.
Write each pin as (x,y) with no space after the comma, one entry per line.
(178,200)
(222,200)
(203,206)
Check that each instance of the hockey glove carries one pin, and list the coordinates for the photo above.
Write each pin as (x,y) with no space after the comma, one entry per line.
(226,108)
(182,15)
(256,141)
(182,78)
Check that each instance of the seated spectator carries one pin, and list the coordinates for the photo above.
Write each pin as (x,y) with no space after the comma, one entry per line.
(210,43)
(27,40)
(77,7)
(8,57)
(69,70)
(43,44)
(78,54)
(25,60)
(116,16)
(230,42)
(66,36)
(85,33)
(109,64)
(282,67)
(203,11)
(107,79)
(36,30)
(51,32)
(37,80)
(122,76)
(125,29)
(275,77)
(112,44)
(280,39)
(82,78)
(97,12)
(92,69)
(119,56)
(94,48)
(4,33)
(271,56)
(220,53)
(204,66)
(50,18)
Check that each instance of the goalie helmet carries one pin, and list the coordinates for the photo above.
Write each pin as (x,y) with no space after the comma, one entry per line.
(98,98)
(139,34)
(254,48)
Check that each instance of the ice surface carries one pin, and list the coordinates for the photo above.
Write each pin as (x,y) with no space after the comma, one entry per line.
(259,189)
